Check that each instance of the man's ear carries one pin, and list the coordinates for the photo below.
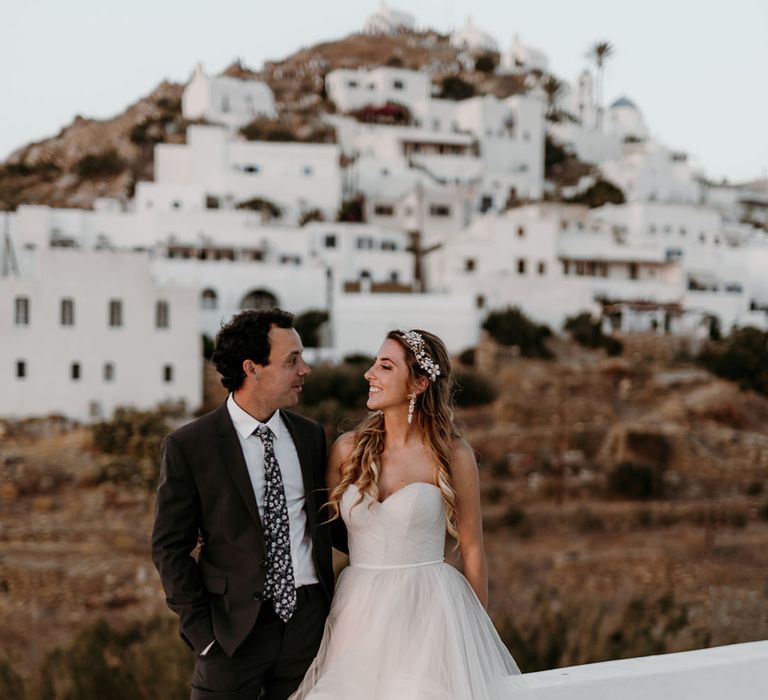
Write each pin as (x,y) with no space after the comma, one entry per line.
(251,370)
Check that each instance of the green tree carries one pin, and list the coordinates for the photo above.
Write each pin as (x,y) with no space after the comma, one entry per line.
(265,206)
(742,357)
(553,89)
(104,164)
(308,326)
(602,192)
(588,332)
(455,88)
(486,63)
(512,327)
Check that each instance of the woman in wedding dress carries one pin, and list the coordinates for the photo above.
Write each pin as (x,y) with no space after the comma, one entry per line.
(404,625)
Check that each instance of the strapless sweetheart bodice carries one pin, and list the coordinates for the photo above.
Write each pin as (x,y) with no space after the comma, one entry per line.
(406,529)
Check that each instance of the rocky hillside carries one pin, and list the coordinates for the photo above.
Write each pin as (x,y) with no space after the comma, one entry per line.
(93,158)
(625,507)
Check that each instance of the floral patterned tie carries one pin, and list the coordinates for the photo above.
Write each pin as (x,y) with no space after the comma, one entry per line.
(280,584)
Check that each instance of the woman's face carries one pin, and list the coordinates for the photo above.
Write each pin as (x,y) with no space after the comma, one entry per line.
(388,377)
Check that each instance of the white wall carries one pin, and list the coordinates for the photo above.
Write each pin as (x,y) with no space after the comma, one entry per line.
(137,350)
(361,321)
(296,176)
(735,672)
(226,100)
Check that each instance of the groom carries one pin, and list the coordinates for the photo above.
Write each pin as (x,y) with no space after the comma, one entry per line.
(247,482)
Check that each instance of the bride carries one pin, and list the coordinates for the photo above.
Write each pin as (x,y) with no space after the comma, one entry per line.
(403,624)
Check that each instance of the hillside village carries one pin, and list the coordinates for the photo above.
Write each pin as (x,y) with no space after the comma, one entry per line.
(396,177)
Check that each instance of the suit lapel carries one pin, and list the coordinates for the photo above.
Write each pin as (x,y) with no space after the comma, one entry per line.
(232,456)
(303,450)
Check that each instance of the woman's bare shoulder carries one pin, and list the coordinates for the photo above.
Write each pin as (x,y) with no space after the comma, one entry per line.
(343,447)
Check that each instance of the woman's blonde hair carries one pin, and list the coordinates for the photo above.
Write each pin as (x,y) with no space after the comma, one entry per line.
(434,417)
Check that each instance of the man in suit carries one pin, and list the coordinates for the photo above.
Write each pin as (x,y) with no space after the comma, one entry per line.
(247,481)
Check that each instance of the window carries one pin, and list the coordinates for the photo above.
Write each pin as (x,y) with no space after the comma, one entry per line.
(439,210)
(290,260)
(251,169)
(115,313)
(566,267)
(167,373)
(388,245)
(633,271)
(330,240)
(365,243)
(394,276)
(542,268)
(209,299)
(225,103)
(162,314)
(384,210)
(94,409)
(521,264)
(520,232)
(702,238)
(109,372)
(67,312)
(22,311)
(176,204)
(21,369)
(352,83)
(308,170)
(480,301)
(469,265)
(74,371)
(398,84)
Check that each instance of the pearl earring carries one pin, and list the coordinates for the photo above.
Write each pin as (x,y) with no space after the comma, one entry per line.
(411,407)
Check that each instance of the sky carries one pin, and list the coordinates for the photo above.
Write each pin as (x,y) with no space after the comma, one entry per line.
(698,69)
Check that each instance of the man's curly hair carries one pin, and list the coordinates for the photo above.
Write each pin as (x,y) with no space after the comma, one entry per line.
(246,337)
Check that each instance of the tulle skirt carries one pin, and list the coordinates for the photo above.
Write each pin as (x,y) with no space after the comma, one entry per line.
(415,633)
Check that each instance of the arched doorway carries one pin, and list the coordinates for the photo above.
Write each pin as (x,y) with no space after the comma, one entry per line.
(258,299)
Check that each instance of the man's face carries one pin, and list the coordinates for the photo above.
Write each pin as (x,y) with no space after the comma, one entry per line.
(280,381)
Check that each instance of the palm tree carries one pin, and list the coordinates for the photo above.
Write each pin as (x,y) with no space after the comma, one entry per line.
(598,53)
(552,89)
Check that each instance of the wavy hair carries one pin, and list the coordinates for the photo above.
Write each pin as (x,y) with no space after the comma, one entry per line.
(434,417)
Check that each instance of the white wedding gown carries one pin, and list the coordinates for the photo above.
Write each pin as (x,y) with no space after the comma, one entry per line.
(403,624)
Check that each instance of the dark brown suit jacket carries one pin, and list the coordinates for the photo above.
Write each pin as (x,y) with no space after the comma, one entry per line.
(204,490)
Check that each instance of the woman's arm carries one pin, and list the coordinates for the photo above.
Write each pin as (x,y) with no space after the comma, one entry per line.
(340,450)
(469,519)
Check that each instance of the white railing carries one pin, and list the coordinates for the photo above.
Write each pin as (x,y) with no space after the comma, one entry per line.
(735,672)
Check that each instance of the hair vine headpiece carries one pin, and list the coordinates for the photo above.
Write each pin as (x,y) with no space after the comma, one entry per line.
(418,346)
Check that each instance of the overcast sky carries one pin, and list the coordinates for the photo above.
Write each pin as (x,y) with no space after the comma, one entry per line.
(696,68)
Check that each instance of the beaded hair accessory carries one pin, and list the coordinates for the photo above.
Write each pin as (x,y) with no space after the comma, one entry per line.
(415,341)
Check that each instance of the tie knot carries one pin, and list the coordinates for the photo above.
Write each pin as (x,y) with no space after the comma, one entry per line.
(264,433)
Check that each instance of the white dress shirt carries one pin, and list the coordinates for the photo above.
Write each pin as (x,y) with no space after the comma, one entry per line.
(290,469)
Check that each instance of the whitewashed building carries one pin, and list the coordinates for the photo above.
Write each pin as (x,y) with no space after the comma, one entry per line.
(225,100)
(86,331)
(213,171)
(522,58)
(471,38)
(387,20)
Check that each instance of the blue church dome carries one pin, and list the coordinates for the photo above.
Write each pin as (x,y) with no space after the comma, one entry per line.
(624,102)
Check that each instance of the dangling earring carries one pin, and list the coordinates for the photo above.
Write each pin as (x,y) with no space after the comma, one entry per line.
(411,407)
